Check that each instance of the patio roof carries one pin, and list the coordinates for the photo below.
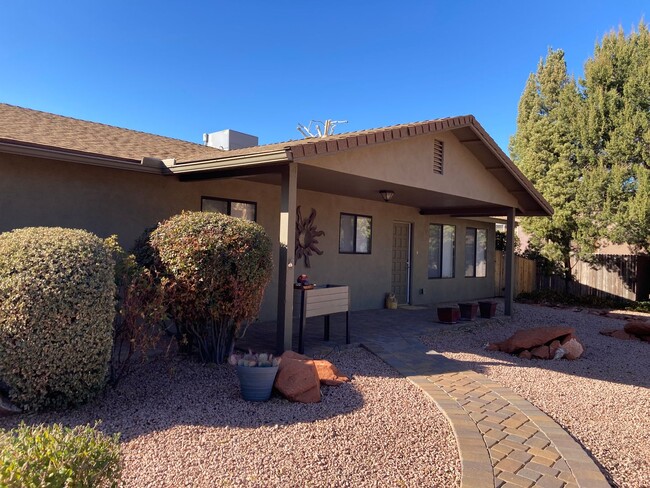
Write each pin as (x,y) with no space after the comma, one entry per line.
(260,162)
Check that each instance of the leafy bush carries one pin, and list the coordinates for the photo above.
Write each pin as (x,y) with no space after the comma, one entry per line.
(215,270)
(57,456)
(140,310)
(142,251)
(56,316)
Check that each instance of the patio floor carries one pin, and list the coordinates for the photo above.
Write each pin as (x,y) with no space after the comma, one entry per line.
(503,439)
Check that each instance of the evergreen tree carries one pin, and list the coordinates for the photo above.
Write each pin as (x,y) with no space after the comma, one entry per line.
(588,150)
(615,135)
(545,148)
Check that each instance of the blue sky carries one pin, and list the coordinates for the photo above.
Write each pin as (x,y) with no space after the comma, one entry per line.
(182,68)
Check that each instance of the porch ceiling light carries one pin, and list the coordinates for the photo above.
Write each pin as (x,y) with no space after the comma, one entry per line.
(387,195)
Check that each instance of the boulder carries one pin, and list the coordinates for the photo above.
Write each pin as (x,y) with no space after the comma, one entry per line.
(572,348)
(525,354)
(329,374)
(621,334)
(297,378)
(541,352)
(531,338)
(638,328)
(559,353)
(553,347)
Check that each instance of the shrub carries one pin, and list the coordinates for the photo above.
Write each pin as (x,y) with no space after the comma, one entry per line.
(560,298)
(56,316)
(57,456)
(142,251)
(215,270)
(140,311)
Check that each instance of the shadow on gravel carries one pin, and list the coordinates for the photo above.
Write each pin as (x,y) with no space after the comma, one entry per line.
(162,394)
(605,358)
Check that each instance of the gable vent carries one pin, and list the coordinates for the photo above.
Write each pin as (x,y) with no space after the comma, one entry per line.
(438,156)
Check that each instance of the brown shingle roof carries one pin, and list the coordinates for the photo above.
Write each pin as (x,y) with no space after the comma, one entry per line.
(32,127)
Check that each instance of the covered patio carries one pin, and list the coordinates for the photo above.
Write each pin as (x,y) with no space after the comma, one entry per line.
(382,328)
(447,170)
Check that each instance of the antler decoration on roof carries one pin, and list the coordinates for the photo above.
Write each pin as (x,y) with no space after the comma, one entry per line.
(306,234)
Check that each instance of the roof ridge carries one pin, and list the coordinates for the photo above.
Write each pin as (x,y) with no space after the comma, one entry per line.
(103,125)
(360,131)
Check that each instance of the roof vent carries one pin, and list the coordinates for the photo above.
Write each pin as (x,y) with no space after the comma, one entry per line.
(229,139)
(438,156)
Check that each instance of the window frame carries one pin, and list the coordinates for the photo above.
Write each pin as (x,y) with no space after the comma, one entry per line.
(354,236)
(442,254)
(229,202)
(475,252)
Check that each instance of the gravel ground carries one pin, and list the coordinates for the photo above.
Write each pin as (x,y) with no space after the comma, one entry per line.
(184,424)
(602,399)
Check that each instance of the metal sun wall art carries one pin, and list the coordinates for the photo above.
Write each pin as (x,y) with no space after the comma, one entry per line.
(306,234)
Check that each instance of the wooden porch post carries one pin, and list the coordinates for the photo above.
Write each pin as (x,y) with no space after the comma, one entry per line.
(510,261)
(286,273)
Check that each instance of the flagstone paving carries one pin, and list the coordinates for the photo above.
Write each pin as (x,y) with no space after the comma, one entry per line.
(504,441)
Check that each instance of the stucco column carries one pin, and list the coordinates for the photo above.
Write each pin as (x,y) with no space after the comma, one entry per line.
(287,240)
(510,261)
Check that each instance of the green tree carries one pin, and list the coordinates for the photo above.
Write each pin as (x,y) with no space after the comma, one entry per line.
(615,138)
(587,148)
(545,148)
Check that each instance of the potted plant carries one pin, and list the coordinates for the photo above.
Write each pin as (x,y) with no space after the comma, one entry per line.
(256,373)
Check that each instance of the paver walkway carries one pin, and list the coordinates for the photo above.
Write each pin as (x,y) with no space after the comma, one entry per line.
(503,440)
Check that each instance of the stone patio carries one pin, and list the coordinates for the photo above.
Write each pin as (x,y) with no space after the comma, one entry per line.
(503,440)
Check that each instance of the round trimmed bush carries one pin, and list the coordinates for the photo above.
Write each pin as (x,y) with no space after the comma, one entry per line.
(56,316)
(215,270)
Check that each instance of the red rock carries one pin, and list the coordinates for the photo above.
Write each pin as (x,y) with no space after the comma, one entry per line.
(621,334)
(559,353)
(492,346)
(638,328)
(297,379)
(553,347)
(541,352)
(607,332)
(530,338)
(294,355)
(645,338)
(525,354)
(572,347)
(329,374)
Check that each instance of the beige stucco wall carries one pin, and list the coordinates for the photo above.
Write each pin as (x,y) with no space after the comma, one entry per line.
(409,162)
(108,201)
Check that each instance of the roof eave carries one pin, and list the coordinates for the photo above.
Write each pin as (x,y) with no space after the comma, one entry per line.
(230,162)
(545,207)
(146,165)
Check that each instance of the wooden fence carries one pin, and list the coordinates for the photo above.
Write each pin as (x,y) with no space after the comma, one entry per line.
(525,275)
(610,275)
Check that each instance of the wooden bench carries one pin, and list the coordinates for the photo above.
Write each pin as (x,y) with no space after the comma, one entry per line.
(322,300)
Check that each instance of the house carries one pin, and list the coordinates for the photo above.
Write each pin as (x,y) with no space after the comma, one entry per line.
(402,208)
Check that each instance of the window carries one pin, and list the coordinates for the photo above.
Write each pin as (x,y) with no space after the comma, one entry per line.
(243,210)
(355,234)
(475,252)
(442,245)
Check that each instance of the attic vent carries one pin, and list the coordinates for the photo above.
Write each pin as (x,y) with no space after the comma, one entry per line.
(438,156)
